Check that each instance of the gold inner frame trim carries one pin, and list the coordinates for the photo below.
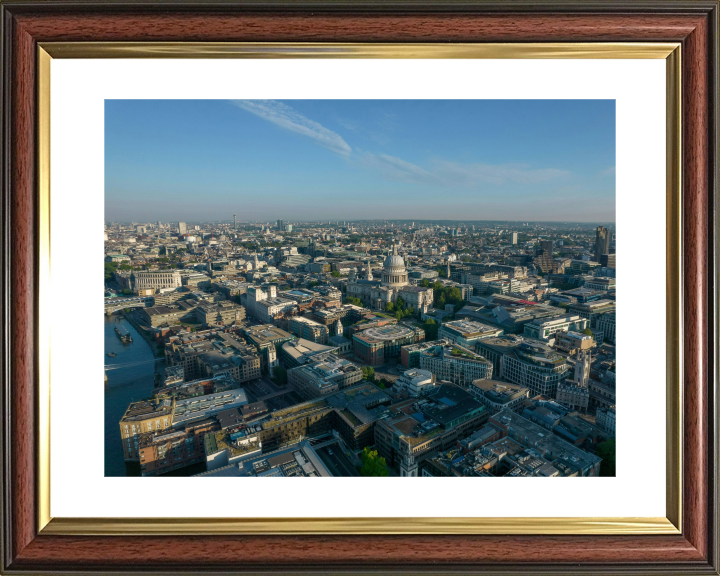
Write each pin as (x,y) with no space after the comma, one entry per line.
(532,50)
(330,526)
(268,526)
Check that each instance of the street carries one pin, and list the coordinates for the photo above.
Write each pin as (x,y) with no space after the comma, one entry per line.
(337,463)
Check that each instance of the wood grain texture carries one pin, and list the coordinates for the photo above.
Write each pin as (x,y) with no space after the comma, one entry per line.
(320,27)
(390,551)
(661,554)
(22,292)
(696,281)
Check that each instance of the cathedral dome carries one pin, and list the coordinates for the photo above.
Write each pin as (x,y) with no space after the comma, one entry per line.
(394,261)
(394,273)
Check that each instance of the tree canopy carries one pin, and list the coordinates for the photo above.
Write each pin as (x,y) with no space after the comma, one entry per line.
(431,329)
(110,268)
(606,451)
(279,375)
(372,463)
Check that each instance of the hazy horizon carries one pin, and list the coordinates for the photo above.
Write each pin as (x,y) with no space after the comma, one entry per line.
(346,160)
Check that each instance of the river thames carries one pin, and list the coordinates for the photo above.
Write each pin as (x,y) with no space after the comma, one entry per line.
(130,376)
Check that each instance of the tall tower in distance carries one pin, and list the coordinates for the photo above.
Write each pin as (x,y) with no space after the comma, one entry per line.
(602,242)
(234,221)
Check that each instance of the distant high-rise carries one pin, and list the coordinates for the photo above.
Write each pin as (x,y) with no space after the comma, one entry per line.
(544,257)
(281,225)
(234,221)
(602,242)
(514,238)
(182,227)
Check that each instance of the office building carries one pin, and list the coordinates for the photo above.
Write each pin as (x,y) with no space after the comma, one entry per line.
(327,374)
(308,330)
(156,280)
(549,446)
(418,428)
(377,345)
(143,417)
(266,338)
(414,383)
(498,396)
(534,366)
(546,329)
(606,323)
(453,363)
(602,242)
(219,313)
(169,450)
(467,332)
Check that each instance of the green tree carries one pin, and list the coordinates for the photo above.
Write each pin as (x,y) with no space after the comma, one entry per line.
(606,451)
(431,329)
(372,463)
(400,303)
(110,268)
(279,375)
(425,283)
(370,373)
(353,300)
(335,274)
(389,307)
(587,332)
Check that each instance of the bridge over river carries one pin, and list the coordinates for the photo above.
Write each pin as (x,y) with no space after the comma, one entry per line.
(113,305)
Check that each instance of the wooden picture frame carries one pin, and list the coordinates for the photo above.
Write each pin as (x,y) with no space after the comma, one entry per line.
(33,544)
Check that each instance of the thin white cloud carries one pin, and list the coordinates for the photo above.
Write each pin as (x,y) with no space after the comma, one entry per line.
(608,171)
(472,174)
(441,172)
(286,117)
(446,173)
(395,169)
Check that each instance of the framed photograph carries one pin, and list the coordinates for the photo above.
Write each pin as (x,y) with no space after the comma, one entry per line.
(374,247)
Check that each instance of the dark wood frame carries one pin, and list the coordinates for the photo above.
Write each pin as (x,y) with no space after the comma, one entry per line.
(24,24)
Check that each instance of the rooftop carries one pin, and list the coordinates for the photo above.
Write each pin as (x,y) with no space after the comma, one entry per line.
(469,328)
(385,333)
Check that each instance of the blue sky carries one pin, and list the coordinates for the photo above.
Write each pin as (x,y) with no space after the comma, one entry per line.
(196,160)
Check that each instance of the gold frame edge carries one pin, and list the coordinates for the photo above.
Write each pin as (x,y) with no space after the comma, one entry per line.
(531,50)
(356,526)
(44,348)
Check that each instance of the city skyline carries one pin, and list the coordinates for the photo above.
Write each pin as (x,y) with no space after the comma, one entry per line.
(588,223)
(535,161)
